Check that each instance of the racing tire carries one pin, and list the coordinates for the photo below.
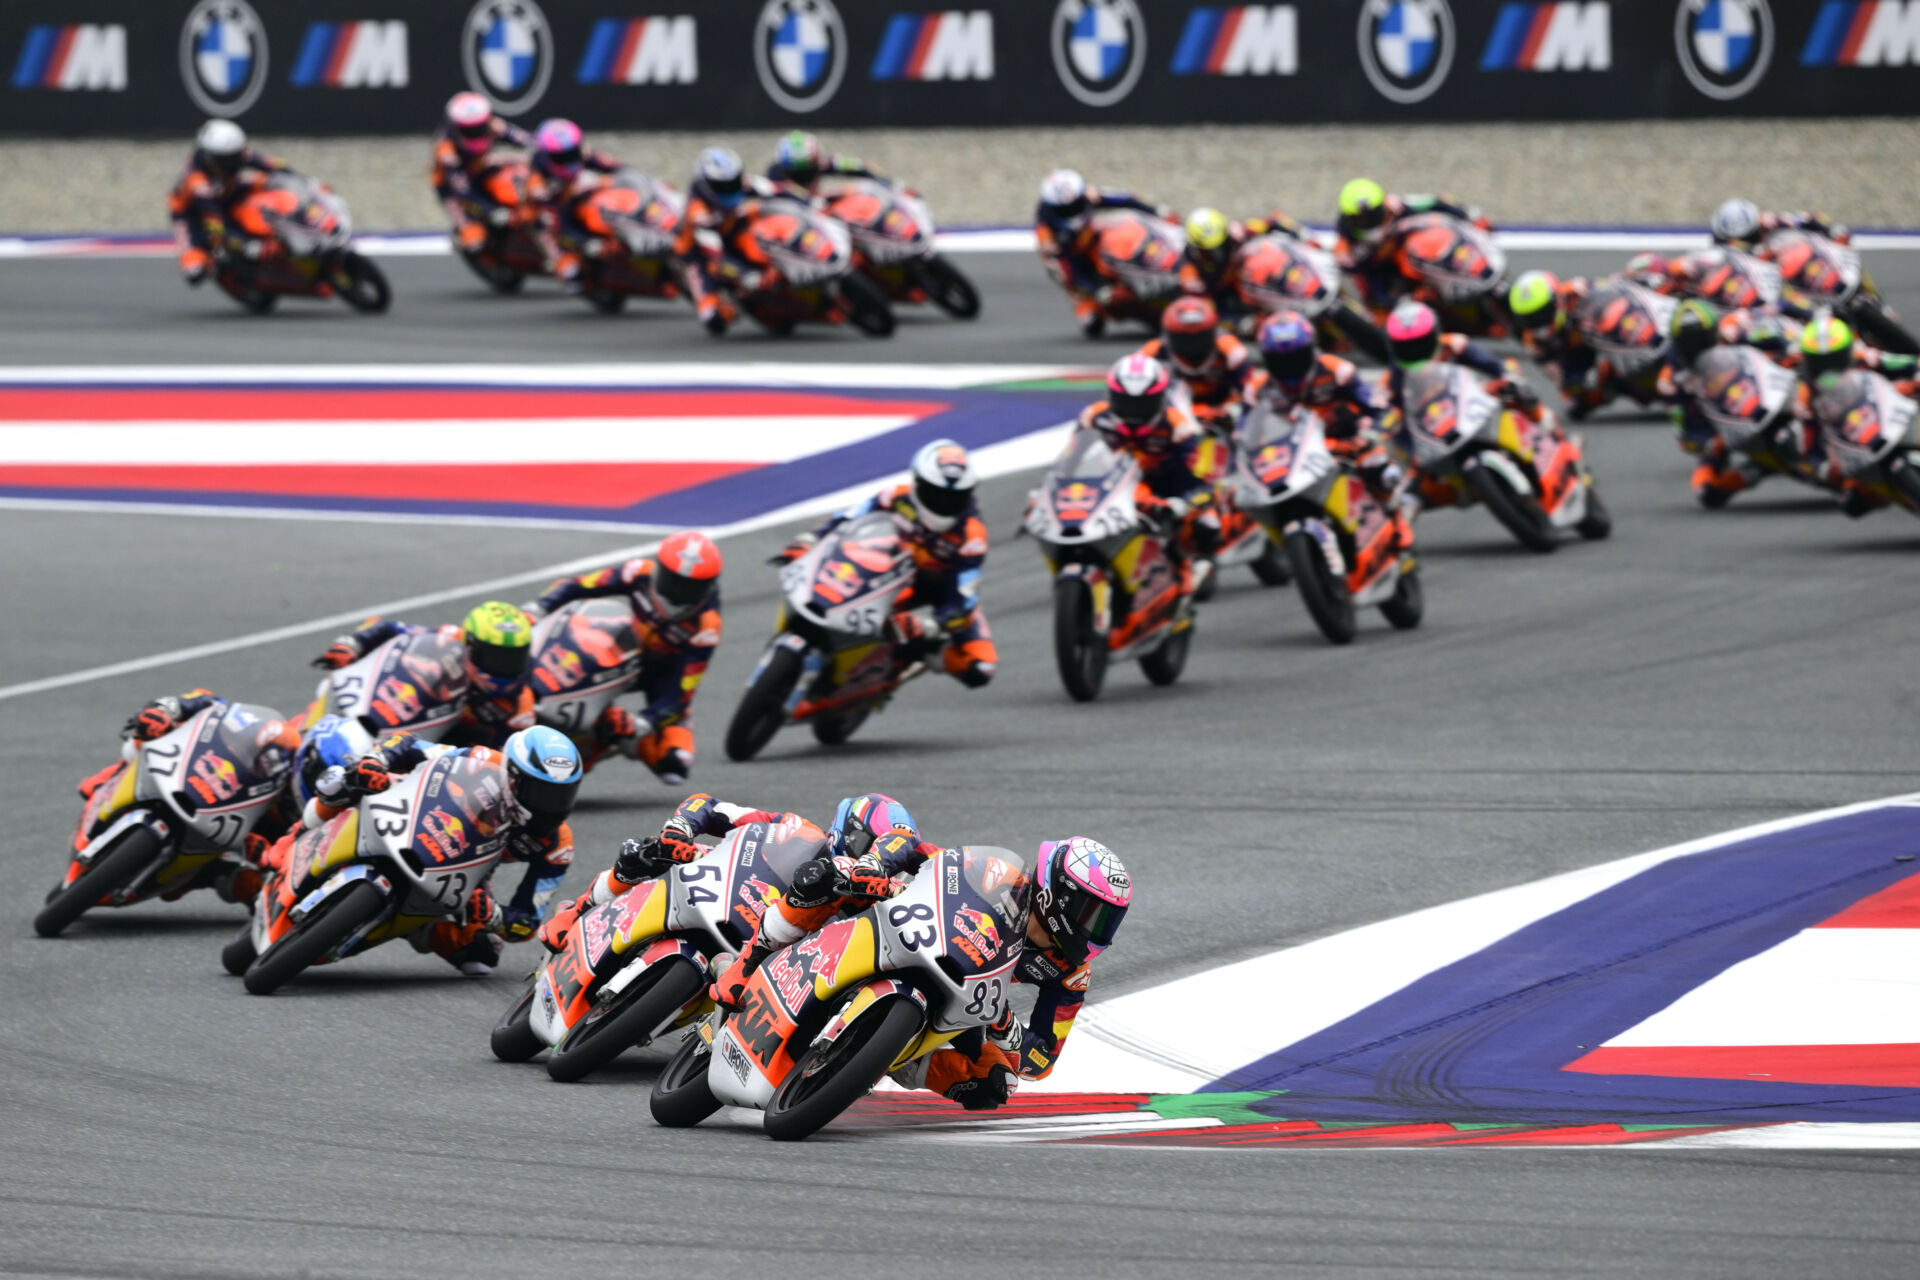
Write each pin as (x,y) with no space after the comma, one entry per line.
(867,308)
(1080,652)
(513,1039)
(606,302)
(1904,477)
(1408,603)
(681,1096)
(1520,513)
(831,731)
(1164,665)
(1325,594)
(362,285)
(629,1019)
(351,908)
(239,952)
(1361,331)
(500,278)
(1597,524)
(763,708)
(258,301)
(1271,568)
(807,1100)
(950,291)
(133,853)
(1873,318)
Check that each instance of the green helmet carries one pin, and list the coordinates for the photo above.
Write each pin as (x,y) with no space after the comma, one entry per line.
(1694,328)
(499,640)
(1362,199)
(1535,299)
(1826,346)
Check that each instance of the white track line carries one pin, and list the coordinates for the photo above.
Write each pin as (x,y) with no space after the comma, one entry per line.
(922,380)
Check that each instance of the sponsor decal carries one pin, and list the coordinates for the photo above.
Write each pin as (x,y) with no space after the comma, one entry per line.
(651,50)
(1239,40)
(597,928)
(223,56)
(800,52)
(980,929)
(506,50)
(1574,35)
(1406,47)
(1099,48)
(952,45)
(1864,33)
(82,55)
(1724,45)
(352,55)
(734,1056)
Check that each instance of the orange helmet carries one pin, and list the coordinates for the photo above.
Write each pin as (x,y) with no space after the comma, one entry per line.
(1191,328)
(686,573)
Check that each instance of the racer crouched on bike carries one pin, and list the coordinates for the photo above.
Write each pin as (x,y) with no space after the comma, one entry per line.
(1060,225)
(1214,366)
(162,716)
(1175,457)
(1368,227)
(1211,264)
(498,642)
(800,164)
(1414,339)
(1695,329)
(1741,224)
(675,598)
(1542,306)
(1297,374)
(724,199)
(1829,348)
(939,521)
(221,169)
(556,180)
(462,149)
(543,770)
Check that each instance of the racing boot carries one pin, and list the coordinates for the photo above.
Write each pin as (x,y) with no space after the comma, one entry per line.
(1714,484)
(94,782)
(1093,321)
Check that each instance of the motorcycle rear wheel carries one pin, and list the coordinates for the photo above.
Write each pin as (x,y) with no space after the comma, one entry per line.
(763,708)
(1876,320)
(1164,665)
(513,1039)
(362,285)
(315,936)
(117,868)
(831,731)
(867,308)
(629,1020)
(499,277)
(1408,603)
(951,291)
(1080,652)
(1597,524)
(681,1096)
(843,1072)
(1520,513)
(239,952)
(605,301)
(1328,601)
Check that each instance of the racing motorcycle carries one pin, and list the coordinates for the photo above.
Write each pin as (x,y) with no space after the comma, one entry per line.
(175,815)
(1870,432)
(512,250)
(632,222)
(1627,323)
(402,859)
(821,1021)
(1117,593)
(585,655)
(801,272)
(1137,257)
(1828,274)
(1469,447)
(833,660)
(1749,401)
(290,237)
(1458,268)
(1344,548)
(1277,272)
(1731,280)
(892,234)
(416,682)
(637,967)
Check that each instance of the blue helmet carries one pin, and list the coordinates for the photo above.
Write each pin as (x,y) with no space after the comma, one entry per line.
(544,772)
(860,820)
(331,741)
(1287,346)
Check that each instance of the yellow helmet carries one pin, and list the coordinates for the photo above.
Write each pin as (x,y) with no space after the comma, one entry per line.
(1207,229)
(499,639)
(1360,198)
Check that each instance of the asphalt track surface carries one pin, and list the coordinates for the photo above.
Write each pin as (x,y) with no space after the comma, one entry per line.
(1696,673)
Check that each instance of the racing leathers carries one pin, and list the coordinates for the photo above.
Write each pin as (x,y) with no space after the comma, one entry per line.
(733,270)
(493,709)
(1574,366)
(1371,256)
(1177,460)
(1065,245)
(1504,381)
(555,199)
(199,202)
(674,652)
(1219,387)
(1798,220)
(1216,272)
(455,173)
(1356,415)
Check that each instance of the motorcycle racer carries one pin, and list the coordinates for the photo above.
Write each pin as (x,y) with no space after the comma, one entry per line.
(543,772)
(1414,339)
(1695,329)
(800,163)
(939,521)
(221,169)
(462,149)
(1213,365)
(1211,264)
(1542,306)
(497,639)
(1740,224)
(1061,223)
(564,169)
(1828,348)
(1368,226)
(724,200)
(1175,457)
(675,598)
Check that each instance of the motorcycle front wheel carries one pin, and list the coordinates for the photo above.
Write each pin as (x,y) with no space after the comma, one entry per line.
(1518,512)
(1876,320)
(499,277)
(1325,594)
(1598,522)
(681,1096)
(117,868)
(831,731)
(867,308)
(828,1080)
(629,1019)
(1080,651)
(513,1039)
(763,708)
(362,285)
(951,291)
(1164,665)
(350,909)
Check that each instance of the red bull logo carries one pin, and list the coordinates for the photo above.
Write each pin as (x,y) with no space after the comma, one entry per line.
(215,778)
(1078,494)
(980,928)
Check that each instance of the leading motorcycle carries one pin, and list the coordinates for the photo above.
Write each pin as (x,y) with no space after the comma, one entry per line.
(292,237)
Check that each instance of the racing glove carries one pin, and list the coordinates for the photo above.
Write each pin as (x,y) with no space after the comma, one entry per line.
(342,652)
(364,777)
(640,860)
(865,876)
(517,924)
(986,1093)
(793,550)
(615,724)
(151,721)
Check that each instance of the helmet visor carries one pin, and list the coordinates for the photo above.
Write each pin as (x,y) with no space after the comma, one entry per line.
(1136,411)
(499,660)
(1416,350)
(1093,920)
(938,499)
(1289,366)
(678,590)
(1190,348)
(548,801)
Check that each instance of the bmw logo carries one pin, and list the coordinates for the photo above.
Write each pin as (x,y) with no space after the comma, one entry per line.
(1724,45)
(1406,47)
(506,49)
(800,51)
(223,56)
(1099,48)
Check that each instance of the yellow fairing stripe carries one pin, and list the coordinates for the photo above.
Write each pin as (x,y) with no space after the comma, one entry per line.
(1127,562)
(1510,438)
(122,795)
(857,963)
(929,1041)
(1337,502)
(649,922)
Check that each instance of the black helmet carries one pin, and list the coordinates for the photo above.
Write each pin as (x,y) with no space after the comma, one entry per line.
(1694,329)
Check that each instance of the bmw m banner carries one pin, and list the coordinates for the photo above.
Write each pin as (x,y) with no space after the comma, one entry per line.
(134,67)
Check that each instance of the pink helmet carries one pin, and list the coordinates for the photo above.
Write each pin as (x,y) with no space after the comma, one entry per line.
(470,120)
(1137,394)
(557,146)
(1081,894)
(1413,333)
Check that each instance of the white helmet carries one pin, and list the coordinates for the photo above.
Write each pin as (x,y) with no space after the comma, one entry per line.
(221,138)
(943,481)
(1064,190)
(1735,220)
